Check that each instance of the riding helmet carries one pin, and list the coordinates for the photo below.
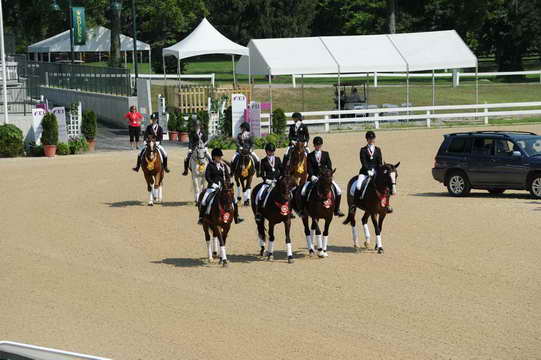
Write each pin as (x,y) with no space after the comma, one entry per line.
(154,116)
(270,147)
(297,116)
(245,126)
(318,141)
(370,135)
(217,152)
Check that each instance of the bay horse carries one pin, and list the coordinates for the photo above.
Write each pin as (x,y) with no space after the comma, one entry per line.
(374,203)
(297,166)
(276,209)
(218,220)
(153,171)
(244,173)
(318,203)
(198,164)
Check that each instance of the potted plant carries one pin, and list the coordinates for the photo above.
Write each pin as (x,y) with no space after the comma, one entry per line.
(49,136)
(183,136)
(172,126)
(88,128)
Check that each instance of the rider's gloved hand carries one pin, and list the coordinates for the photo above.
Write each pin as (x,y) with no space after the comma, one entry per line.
(314,178)
(215,186)
(371,172)
(269,181)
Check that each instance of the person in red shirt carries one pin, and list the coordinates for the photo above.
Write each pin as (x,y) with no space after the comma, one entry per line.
(134,126)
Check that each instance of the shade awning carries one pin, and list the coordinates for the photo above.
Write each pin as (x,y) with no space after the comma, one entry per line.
(358,54)
(98,40)
(204,40)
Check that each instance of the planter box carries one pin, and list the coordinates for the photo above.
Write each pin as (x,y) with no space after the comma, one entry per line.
(49,150)
(173,136)
(91,145)
(183,137)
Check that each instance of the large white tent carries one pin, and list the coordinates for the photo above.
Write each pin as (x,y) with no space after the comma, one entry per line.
(357,54)
(204,40)
(98,39)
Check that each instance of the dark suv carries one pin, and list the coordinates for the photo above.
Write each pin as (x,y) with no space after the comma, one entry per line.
(490,160)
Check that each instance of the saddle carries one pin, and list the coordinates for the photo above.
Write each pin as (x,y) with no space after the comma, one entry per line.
(353,191)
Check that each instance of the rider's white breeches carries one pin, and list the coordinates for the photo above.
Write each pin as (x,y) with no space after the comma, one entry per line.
(260,192)
(337,188)
(360,180)
(304,187)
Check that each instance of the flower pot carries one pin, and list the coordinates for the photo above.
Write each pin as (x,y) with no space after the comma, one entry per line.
(49,150)
(91,145)
(173,136)
(183,137)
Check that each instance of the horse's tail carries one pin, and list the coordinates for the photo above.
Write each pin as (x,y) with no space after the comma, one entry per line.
(351,203)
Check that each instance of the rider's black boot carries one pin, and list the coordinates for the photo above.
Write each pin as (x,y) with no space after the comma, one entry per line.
(186,165)
(337,211)
(136,168)
(238,219)
(201,214)
(165,164)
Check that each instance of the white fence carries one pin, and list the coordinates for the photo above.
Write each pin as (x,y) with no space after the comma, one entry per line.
(376,75)
(210,77)
(419,113)
(42,353)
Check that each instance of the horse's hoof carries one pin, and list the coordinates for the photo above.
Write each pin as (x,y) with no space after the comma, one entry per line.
(238,198)
(150,204)
(290,260)
(366,244)
(221,261)
(214,254)
(246,203)
(270,257)
(311,252)
(380,250)
(320,254)
(325,254)
(225,263)
(210,260)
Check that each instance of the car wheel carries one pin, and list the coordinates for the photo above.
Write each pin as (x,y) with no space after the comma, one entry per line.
(535,186)
(496,191)
(458,184)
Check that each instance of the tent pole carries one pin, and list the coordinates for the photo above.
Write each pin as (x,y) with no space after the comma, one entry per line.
(149,68)
(49,56)
(234,72)
(99,56)
(339,100)
(164,77)
(302,91)
(270,98)
(433,88)
(178,72)
(250,73)
(477,85)
(126,59)
(408,93)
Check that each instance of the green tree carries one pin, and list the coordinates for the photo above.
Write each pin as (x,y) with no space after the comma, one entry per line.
(115,26)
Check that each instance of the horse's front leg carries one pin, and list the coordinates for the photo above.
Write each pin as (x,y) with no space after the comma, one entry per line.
(196,187)
(328,221)
(261,236)
(247,190)
(209,243)
(223,240)
(378,233)
(270,255)
(238,183)
(287,225)
(379,244)
(315,226)
(150,186)
(309,243)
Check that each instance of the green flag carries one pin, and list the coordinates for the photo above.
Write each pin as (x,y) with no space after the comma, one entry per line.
(79,25)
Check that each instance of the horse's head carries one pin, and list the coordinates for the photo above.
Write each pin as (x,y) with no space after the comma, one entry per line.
(299,147)
(325,180)
(245,151)
(201,152)
(227,196)
(284,186)
(389,176)
(151,147)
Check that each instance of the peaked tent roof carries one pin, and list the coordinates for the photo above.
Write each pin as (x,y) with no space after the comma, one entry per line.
(358,54)
(98,39)
(204,40)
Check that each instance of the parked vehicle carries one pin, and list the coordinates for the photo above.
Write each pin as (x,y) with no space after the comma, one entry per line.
(492,160)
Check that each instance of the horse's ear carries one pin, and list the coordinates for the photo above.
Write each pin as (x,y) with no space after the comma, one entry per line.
(397,165)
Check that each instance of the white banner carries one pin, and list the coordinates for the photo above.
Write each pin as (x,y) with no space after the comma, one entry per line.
(255,119)
(238,104)
(37,116)
(60,113)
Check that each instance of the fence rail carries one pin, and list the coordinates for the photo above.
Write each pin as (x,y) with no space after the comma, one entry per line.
(210,77)
(418,113)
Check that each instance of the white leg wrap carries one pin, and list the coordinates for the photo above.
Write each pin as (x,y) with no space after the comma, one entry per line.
(160,193)
(216,245)
(378,241)
(150,197)
(289,251)
(309,244)
(239,191)
(247,194)
(319,241)
(222,251)
(271,246)
(209,248)
(366,233)
(313,233)
(338,190)
(325,242)
(355,235)
(261,242)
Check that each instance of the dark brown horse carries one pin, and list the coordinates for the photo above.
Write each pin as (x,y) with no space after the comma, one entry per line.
(244,173)
(374,203)
(318,203)
(297,166)
(218,220)
(153,171)
(277,209)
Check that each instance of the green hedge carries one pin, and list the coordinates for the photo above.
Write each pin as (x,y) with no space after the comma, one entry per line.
(62,149)
(11,140)
(77,145)
(279,122)
(50,130)
(228,143)
(89,125)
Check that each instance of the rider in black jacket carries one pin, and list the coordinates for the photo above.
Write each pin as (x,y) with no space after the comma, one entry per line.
(244,142)
(153,129)
(271,170)
(298,132)
(197,136)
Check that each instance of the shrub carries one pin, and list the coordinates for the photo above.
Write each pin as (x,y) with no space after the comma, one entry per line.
(183,124)
(225,126)
(11,140)
(172,122)
(62,149)
(77,145)
(203,118)
(228,143)
(50,130)
(222,142)
(89,125)
(279,122)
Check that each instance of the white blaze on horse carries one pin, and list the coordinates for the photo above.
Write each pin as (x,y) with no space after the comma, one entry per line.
(153,171)
(198,164)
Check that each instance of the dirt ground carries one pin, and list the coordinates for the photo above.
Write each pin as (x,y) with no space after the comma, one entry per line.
(86,266)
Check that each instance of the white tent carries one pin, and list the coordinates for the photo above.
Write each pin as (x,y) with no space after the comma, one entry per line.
(98,39)
(204,40)
(357,54)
